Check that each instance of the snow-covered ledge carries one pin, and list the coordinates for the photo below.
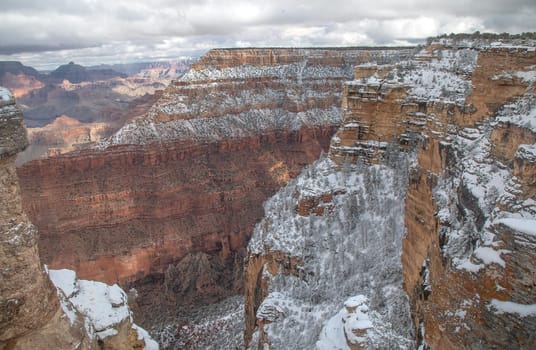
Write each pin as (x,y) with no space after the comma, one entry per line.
(104,308)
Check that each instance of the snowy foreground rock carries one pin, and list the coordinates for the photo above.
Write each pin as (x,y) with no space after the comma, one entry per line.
(102,308)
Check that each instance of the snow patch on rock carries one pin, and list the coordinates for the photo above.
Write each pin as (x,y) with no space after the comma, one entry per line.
(509,307)
(6,97)
(102,306)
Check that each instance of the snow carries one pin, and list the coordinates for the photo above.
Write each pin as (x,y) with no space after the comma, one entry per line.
(349,253)
(527,226)
(501,307)
(5,96)
(64,280)
(103,306)
(150,344)
(351,324)
(490,256)
(204,103)
(357,321)
(355,301)
(527,76)
(110,332)
(213,326)
(521,112)
(332,336)
(251,122)
(527,153)
(93,300)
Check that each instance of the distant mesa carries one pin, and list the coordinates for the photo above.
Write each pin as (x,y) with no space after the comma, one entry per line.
(20,79)
(76,73)
(17,68)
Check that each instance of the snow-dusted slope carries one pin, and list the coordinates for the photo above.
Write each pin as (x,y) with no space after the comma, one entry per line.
(352,249)
(251,91)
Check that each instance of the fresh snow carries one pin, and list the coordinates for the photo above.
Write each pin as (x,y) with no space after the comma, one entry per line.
(521,112)
(104,307)
(96,301)
(5,96)
(502,307)
(352,250)
(332,336)
(527,226)
(252,122)
(64,280)
(489,255)
(527,76)
(150,344)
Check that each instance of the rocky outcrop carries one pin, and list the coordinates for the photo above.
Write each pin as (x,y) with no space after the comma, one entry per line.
(27,300)
(187,180)
(102,310)
(31,317)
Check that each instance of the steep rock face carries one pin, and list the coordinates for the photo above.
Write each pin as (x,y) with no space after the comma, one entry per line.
(27,300)
(189,177)
(30,314)
(468,209)
(167,201)
(457,269)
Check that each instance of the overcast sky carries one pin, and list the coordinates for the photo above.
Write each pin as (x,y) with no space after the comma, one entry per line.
(46,33)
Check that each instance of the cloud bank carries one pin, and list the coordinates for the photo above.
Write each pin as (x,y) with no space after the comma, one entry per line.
(52,32)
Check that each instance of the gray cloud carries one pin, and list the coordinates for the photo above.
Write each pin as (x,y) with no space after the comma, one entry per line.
(44,32)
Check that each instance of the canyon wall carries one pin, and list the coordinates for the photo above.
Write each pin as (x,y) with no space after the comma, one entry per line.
(428,191)
(168,203)
(31,314)
(463,253)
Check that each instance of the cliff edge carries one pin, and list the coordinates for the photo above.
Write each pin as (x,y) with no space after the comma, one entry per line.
(31,314)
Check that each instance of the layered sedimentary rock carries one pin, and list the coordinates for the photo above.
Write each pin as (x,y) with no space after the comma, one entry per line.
(172,198)
(30,313)
(461,262)
(462,115)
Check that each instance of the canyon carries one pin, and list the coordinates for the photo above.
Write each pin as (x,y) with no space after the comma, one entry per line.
(167,204)
(360,198)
